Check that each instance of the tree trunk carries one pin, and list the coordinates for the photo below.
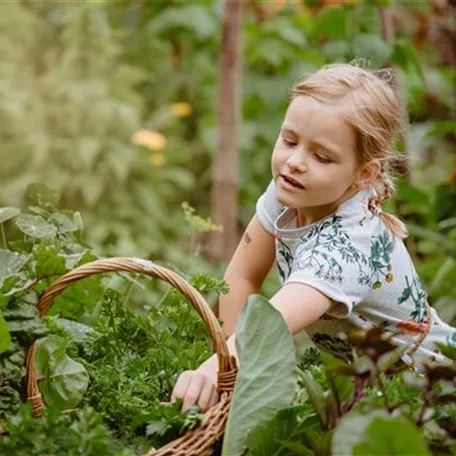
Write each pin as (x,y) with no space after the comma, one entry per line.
(388,33)
(225,174)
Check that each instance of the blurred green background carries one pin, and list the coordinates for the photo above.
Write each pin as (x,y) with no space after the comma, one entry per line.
(114,104)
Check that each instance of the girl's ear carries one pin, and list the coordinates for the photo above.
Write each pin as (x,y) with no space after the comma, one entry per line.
(368,173)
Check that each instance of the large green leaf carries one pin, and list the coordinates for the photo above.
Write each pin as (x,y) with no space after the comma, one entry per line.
(10,264)
(65,222)
(77,331)
(62,381)
(391,436)
(41,195)
(5,338)
(7,213)
(267,375)
(342,385)
(48,261)
(318,397)
(350,431)
(35,226)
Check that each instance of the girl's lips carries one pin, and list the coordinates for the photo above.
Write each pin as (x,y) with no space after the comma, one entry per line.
(289,184)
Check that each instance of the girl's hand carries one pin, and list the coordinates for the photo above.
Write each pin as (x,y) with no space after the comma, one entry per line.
(196,388)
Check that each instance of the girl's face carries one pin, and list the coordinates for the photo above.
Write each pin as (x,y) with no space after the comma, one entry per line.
(314,163)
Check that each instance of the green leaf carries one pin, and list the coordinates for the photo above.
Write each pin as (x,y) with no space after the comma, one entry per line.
(193,18)
(78,331)
(391,436)
(335,49)
(404,55)
(331,23)
(442,128)
(7,213)
(48,261)
(447,350)
(266,439)
(73,260)
(297,448)
(316,395)
(267,376)
(61,380)
(443,275)
(372,47)
(385,2)
(10,264)
(35,226)
(350,431)
(157,428)
(417,381)
(41,195)
(65,222)
(343,384)
(5,339)
(389,359)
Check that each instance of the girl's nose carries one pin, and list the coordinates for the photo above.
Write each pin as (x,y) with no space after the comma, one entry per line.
(296,163)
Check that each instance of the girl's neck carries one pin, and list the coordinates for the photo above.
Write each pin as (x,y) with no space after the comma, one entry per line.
(308,215)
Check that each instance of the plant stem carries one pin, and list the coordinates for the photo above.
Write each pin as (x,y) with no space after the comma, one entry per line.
(193,241)
(419,420)
(336,395)
(383,390)
(3,236)
(128,291)
(165,295)
(40,279)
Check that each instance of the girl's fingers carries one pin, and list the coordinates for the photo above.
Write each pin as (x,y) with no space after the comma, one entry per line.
(193,391)
(206,394)
(181,385)
(214,398)
(195,388)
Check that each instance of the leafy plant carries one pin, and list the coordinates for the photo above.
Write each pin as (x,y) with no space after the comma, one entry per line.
(267,376)
(355,409)
(92,351)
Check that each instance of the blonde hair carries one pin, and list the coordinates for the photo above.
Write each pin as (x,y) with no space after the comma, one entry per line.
(370,106)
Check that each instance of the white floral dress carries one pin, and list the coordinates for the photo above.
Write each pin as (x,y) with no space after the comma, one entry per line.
(352,258)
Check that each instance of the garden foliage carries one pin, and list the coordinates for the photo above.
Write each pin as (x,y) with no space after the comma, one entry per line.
(79,80)
(101,365)
(114,105)
(106,362)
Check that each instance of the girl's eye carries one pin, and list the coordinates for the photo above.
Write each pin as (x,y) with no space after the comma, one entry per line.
(322,159)
(288,142)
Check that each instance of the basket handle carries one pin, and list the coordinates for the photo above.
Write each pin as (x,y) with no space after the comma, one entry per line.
(227,363)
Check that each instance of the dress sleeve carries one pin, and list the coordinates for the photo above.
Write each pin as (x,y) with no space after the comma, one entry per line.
(338,266)
(268,208)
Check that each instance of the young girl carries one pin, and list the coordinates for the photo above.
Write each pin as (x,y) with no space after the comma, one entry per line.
(342,262)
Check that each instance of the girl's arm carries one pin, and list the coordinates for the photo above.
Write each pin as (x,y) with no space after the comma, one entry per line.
(246,272)
(300,306)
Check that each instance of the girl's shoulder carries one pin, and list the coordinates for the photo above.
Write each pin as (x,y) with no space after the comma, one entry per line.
(268,208)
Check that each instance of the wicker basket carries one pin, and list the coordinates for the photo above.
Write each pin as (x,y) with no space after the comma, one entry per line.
(200,440)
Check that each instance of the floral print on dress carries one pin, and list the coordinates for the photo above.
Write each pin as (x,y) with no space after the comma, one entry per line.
(329,236)
(414,291)
(382,247)
(285,253)
(451,340)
